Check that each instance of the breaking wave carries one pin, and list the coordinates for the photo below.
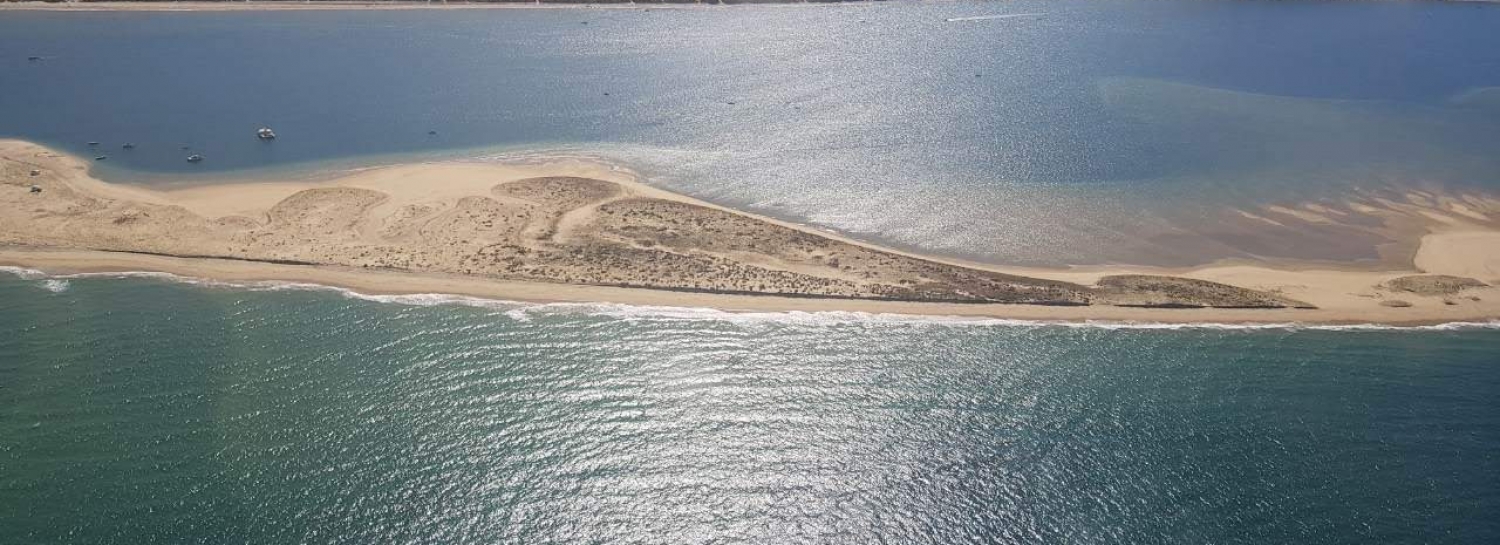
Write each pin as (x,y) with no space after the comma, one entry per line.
(526,311)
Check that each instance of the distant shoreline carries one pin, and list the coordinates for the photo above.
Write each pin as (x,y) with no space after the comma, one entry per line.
(373,232)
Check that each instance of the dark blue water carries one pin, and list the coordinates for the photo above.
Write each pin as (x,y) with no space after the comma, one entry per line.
(139,410)
(1069,132)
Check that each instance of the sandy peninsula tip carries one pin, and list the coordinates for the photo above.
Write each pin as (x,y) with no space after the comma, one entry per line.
(579,231)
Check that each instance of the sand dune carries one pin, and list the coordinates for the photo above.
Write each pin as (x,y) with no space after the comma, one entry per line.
(574,230)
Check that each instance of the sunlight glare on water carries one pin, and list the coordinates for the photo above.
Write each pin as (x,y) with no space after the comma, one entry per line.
(1047,133)
(219,413)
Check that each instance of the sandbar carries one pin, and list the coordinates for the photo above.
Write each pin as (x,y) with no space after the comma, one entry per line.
(580,231)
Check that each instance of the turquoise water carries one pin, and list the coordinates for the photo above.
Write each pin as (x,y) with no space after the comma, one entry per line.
(1068,132)
(148,411)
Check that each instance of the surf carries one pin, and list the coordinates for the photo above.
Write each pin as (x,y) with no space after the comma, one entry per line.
(523,311)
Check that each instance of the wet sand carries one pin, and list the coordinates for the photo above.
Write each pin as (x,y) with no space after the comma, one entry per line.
(586,232)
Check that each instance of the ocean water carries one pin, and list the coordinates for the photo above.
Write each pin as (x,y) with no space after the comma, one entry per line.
(155,409)
(1046,132)
(149,410)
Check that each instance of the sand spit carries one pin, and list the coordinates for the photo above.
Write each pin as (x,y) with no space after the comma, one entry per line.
(579,231)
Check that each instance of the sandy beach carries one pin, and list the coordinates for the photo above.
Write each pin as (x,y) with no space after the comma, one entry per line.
(579,231)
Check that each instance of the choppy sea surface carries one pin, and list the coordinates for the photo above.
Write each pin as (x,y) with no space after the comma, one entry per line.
(1026,132)
(154,409)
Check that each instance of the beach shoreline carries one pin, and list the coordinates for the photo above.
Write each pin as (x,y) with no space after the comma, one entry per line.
(401,283)
(84,229)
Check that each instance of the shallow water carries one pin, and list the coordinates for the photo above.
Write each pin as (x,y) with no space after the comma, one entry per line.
(1064,132)
(141,409)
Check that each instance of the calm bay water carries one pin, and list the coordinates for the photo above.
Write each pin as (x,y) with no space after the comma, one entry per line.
(1064,132)
(140,410)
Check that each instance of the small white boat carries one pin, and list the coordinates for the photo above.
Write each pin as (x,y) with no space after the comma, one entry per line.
(194,158)
(265,133)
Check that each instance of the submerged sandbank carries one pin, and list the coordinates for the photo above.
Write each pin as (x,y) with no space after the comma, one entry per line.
(584,232)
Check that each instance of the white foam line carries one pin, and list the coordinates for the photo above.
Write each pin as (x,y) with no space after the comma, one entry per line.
(992,17)
(24,273)
(524,311)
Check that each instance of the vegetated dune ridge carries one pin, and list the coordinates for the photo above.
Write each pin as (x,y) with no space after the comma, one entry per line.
(575,230)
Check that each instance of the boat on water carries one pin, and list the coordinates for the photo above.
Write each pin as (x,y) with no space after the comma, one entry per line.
(265,133)
(195,158)
(128,145)
(101,157)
